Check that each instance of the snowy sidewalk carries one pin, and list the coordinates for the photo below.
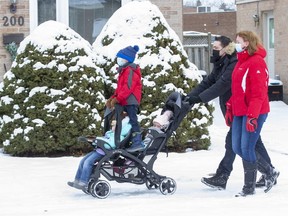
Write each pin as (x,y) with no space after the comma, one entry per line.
(37,186)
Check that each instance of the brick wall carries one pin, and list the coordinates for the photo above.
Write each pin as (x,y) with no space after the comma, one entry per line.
(172,11)
(281,43)
(279,8)
(244,15)
(221,23)
(10,24)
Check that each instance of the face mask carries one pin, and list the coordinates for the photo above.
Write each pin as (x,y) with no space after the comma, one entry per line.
(121,61)
(238,47)
(215,56)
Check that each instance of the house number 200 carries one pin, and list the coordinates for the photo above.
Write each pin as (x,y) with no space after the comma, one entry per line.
(13,21)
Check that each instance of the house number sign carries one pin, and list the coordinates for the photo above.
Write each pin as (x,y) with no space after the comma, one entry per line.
(13,21)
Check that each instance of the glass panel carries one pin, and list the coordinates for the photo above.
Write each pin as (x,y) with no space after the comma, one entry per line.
(271,33)
(46,10)
(87,17)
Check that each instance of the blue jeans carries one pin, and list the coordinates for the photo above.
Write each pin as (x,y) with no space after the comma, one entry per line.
(243,142)
(86,166)
(132,113)
(226,164)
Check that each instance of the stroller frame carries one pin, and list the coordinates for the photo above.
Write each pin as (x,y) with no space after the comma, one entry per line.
(124,167)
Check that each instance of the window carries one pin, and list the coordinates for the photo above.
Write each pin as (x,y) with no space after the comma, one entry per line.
(88,17)
(46,10)
(203,9)
(271,33)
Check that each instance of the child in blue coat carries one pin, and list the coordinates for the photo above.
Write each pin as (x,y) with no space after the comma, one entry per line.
(85,167)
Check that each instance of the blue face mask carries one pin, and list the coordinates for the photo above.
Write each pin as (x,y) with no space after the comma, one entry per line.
(238,47)
(121,61)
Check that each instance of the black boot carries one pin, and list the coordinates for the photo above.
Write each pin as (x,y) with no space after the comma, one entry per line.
(136,143)
(270,174)
(261,182)
(217,181)
(250,172)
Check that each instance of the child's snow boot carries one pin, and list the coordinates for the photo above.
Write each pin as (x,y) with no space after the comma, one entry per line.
(137,144)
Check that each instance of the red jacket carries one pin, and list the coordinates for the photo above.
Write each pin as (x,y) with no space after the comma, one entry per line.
(129,85)
(249,87)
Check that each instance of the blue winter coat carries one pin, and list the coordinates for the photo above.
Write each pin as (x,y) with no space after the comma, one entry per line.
(110,135)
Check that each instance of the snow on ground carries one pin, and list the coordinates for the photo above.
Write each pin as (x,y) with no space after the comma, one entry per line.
(37,186)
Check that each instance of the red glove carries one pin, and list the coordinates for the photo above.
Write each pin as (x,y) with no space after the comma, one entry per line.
(228,115)
(251,124)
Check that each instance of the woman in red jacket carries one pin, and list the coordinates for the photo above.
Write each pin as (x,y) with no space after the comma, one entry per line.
(248,108)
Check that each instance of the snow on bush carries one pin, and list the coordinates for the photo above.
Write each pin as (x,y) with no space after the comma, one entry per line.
(53,93)
(164,64)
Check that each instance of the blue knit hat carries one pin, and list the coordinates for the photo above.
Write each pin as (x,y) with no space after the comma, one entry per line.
(128,53)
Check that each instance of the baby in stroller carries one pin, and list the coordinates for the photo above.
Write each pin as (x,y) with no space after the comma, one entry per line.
(86,165)
(162,121)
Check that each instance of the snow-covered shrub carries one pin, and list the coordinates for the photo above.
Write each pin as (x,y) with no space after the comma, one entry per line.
(164,64)
(52,94)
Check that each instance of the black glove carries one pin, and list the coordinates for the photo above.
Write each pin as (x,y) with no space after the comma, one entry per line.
(193,99)
(94,143)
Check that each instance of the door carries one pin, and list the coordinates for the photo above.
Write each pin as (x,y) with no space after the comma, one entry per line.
(270,44)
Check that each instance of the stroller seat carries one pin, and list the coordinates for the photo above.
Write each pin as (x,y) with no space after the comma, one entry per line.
(153,140)
(104,143)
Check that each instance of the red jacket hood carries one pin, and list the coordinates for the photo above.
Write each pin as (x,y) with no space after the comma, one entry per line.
(243,56)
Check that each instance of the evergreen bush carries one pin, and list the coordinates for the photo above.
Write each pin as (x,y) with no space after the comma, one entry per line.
(164,65)
(52,94)
(57,85)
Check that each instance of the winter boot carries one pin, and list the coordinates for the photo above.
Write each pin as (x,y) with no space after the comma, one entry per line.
(137,144)
(77,184)
(217,181)
(250,173)
(261,182)
(270,174)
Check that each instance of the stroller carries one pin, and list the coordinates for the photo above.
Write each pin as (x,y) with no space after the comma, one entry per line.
(137,167)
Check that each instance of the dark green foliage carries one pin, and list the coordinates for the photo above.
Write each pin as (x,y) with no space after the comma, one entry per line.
(50,106)
(166,75)
(12,49)
(50,97)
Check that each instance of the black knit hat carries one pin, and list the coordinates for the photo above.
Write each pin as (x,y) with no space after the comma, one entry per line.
(225,41)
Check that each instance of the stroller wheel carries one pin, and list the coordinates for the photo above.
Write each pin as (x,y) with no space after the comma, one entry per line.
(168,186)
(100,189)
(150,185)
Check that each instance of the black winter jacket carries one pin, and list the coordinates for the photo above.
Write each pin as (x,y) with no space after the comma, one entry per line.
(218,82)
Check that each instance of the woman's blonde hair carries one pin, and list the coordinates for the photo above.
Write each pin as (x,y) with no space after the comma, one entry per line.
(253,39)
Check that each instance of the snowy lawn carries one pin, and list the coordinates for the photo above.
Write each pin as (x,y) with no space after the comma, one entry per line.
(37,186)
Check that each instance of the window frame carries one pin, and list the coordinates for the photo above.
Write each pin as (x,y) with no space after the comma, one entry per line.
(62,12)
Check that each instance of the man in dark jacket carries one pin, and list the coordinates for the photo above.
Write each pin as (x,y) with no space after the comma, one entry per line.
(218,84)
